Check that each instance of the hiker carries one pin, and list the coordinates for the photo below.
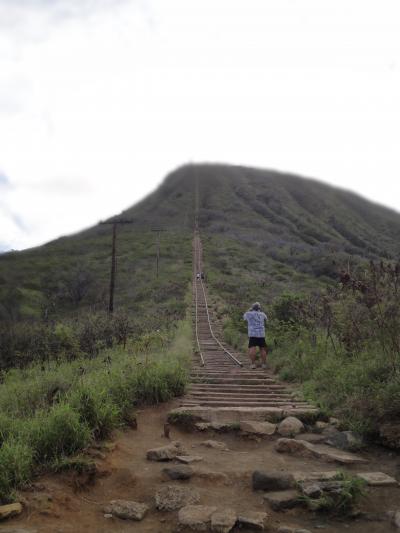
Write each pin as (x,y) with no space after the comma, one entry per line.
(256,330)
(198,276)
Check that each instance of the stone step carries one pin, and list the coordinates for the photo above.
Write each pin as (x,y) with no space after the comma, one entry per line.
(218,387)
(238,403)
(236,414)
(241,393)
(232,381)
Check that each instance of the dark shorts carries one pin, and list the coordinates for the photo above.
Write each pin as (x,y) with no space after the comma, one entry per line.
(257,341)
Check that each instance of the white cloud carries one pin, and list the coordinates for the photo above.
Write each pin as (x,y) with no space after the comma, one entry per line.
(100,99)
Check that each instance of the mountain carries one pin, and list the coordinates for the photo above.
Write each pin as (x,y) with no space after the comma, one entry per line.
(263,233)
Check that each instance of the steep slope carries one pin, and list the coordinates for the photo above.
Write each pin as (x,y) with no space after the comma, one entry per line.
(262,231)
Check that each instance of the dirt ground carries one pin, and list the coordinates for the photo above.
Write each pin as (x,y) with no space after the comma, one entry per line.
(60,505)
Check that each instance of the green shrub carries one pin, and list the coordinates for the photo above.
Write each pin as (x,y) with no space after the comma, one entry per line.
(16,466)
(58,432)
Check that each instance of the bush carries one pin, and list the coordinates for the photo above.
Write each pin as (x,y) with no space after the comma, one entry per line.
(58,432)
(16,466)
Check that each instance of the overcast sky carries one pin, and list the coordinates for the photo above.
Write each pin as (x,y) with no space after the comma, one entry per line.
(100,99)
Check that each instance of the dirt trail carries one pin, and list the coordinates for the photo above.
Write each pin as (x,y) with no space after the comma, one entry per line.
(223,478)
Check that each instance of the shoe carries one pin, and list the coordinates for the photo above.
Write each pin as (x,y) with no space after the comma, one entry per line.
(264,366)
(253,367)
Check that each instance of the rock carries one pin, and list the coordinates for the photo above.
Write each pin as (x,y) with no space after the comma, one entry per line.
(108,515)
(314,438)
(223,520)
(187,459)
(173,497)
(202,426)
(165,453)
(257,428)
(312,490)
(12,509)
(334,421)
(272,480)
(396,519)
(285,499)
(127,510)
(178,472)
(290,426)
(389,433)
(252,520)
(314,476)
(345,440)
(321,425)
(377,479)
(215,444)
(305,449)
(315,489)
(196,517)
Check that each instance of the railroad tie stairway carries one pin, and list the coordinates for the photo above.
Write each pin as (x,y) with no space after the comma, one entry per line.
(222,385)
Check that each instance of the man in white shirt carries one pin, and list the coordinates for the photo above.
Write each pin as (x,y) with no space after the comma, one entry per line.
(256,330)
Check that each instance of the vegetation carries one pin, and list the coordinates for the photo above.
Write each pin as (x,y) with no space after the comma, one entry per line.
(343,344)
(50,413)
(341,499)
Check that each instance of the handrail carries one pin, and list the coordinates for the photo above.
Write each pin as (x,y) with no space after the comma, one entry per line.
(212,333)
(197,333)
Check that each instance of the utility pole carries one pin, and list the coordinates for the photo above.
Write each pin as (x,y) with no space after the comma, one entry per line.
(158,231)
(114,224)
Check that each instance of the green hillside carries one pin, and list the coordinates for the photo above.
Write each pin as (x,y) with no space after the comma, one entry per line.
(263,232)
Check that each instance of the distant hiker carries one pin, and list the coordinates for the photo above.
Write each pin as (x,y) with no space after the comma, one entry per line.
(256,330)
(198,275)
(202,275)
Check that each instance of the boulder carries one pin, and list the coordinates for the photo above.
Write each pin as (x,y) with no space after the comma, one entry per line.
(173,497)
(396,519)
(252,520)
(377,479)
(272,480)
(10,510)
(257,428)
(290,426)
(180,472)
(321,425)
(285,499)
(127,510)
(196,517)
(345,440)
(165,453)
(215,445)
(325,453)
(223,520)
(317,488)
(187,459)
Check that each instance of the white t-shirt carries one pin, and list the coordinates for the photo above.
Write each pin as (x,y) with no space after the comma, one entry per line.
(255,323)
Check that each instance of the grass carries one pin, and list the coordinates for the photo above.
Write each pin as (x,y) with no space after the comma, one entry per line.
(40,429)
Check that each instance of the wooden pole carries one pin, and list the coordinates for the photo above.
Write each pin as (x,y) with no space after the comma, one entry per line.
(114,224)
(112,274)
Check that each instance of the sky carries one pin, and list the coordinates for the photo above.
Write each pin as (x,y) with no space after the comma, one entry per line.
(100,99)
